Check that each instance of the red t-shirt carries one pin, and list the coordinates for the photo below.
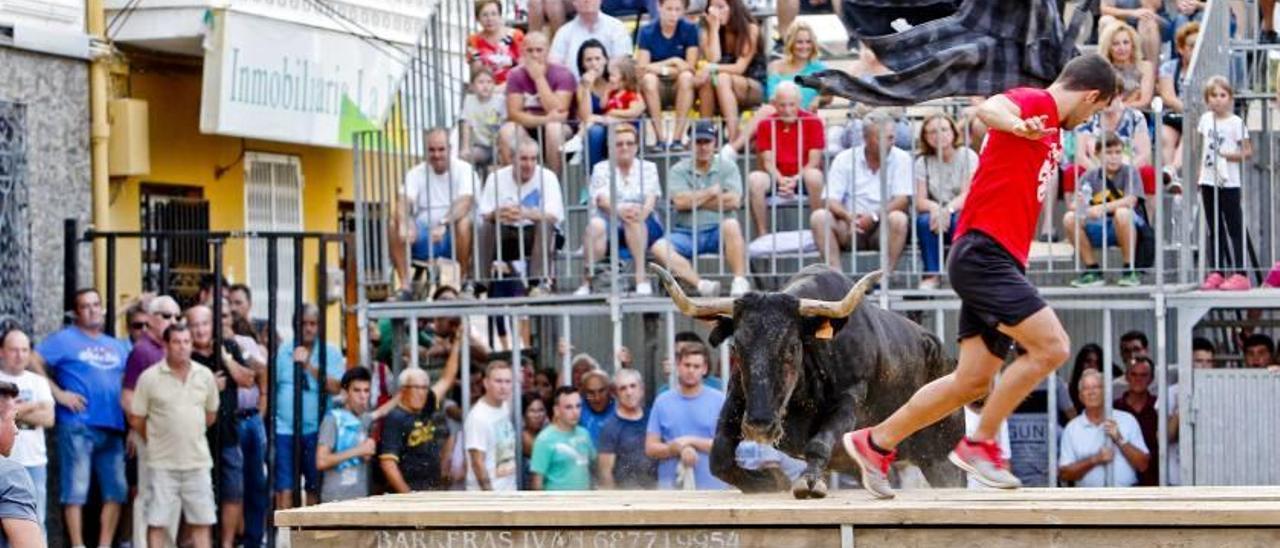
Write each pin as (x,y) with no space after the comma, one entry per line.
(1013,178)
(620,99)
(793,146)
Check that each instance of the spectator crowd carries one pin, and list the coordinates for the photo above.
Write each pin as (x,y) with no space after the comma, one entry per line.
(170,425)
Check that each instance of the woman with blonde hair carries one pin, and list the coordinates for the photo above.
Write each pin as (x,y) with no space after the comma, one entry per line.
(942,169)
(1119,45)
(799,58)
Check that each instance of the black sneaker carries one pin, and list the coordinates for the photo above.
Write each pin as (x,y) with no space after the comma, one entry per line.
(1267,37)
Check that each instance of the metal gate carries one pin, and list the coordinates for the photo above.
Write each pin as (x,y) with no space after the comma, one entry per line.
(1236,415)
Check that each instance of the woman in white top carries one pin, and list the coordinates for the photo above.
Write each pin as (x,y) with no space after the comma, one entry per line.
(942,172)
(637,189)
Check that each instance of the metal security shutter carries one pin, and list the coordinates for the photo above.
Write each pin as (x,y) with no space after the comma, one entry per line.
(1237,427)
(272,201)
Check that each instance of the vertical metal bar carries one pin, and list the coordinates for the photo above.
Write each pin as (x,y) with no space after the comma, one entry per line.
(227,399)
(566,361)
(273,382)
(517,394)
(465,381)
(322,303)
(1162,383)
(70,262)
(166,251)
(882,229)
(361,249)
(1156,212)
(299,376)
(415,361)
(110,326)
(1051,390)
(671,349)
(1106,385)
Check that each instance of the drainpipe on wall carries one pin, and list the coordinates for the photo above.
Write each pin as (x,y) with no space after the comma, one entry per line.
(99,132)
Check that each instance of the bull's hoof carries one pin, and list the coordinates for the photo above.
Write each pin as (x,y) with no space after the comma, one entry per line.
(809,487)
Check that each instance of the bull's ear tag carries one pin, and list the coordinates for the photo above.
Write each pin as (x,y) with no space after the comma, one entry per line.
(824,331)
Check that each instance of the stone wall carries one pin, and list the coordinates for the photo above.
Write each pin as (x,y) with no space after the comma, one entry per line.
(53,94)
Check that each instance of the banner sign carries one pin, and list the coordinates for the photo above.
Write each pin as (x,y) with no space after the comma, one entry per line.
(279,81)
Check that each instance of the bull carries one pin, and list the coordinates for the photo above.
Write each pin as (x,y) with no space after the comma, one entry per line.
(809,363)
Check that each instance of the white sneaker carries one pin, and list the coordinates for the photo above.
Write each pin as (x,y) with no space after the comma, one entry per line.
(643,289)
(929,283)
(582,290)
(573,145)
(739,287)
(708,288)
(575,159)
(728,153)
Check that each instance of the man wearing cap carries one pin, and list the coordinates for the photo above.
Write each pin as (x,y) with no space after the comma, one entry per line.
(707,194)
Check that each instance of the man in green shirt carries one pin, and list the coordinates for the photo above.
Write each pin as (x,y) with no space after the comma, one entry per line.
(563,454)
(706,193)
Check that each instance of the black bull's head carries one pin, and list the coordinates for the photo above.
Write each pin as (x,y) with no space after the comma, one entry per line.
(771,331)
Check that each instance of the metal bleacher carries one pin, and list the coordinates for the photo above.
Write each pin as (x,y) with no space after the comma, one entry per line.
(1168,305)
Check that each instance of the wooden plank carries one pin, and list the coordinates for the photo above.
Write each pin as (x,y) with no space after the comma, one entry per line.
(565,538)
(1184,507)
(1069,538)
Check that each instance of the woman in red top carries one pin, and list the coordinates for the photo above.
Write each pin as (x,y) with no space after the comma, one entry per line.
(496,46)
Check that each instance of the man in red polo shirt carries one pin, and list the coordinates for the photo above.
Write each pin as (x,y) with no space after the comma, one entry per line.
(999,306)
(790,144)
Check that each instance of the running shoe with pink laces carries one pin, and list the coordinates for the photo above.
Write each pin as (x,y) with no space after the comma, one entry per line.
(982,460)
(1212,281)
(874,464)
(1237,282)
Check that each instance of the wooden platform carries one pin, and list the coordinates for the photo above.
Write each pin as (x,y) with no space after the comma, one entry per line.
(1139,517)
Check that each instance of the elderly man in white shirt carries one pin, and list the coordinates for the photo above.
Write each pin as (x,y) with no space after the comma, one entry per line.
(520,208)
(637,191)
(853,201)
(1090,442)
(436,202)
(589,23)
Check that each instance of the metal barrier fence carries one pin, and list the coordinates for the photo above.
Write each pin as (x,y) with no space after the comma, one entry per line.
(215,243)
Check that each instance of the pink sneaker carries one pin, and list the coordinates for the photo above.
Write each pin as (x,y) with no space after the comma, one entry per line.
(982,459)
(874,465)
(1212,281)
(1273,277)
(1237,282)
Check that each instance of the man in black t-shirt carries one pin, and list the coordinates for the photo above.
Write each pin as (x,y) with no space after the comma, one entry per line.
(415,435)
(224,437)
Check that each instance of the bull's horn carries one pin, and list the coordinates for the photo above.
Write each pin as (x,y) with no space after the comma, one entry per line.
(845,306)
(694,308)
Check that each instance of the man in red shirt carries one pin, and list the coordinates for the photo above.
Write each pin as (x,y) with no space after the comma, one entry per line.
(999,306)
(790,144)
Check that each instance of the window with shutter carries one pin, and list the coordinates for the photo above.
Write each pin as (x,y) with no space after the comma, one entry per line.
(272,201)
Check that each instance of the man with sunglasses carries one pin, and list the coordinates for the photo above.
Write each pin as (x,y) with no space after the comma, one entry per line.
(161,312)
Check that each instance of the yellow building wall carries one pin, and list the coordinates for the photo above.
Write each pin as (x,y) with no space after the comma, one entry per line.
(181,155)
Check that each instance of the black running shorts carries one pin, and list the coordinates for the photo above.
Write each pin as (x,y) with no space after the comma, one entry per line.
(993,290)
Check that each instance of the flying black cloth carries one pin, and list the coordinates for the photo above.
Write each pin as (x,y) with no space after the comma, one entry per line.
(954,48)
